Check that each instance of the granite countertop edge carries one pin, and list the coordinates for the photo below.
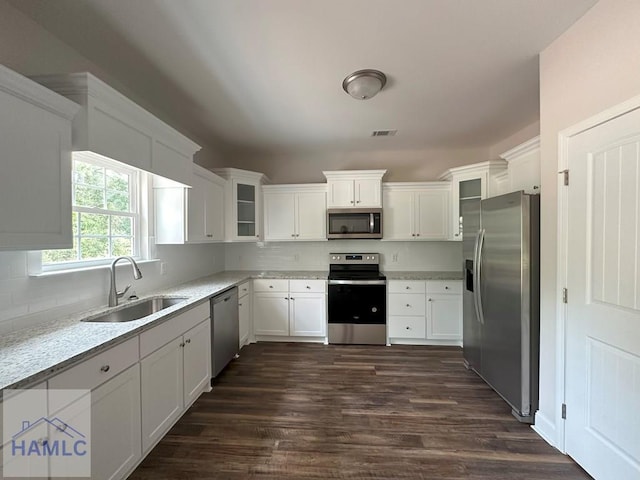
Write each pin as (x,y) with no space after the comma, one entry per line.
(32,355)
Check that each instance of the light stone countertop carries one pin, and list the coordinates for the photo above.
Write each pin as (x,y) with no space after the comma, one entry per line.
(408,275)
(32,355)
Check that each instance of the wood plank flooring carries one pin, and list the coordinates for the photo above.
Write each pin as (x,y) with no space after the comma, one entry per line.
(307,411)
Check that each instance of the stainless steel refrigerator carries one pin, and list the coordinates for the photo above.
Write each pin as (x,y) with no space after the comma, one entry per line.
(501,296)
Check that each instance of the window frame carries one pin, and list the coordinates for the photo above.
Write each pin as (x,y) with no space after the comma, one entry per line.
(136,188)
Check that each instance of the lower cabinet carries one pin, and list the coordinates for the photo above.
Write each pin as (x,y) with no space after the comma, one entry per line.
(289,308)
(244,313)
(425,312)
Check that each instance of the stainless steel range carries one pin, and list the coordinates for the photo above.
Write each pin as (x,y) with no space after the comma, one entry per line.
(357,299)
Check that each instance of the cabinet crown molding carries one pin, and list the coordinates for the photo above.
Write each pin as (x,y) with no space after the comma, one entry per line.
(522,149)
(296,187)
(415,185)
(32,92)
(239,174)
(359,174)
(494,166)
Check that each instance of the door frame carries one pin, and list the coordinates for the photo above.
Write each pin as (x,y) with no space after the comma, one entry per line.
(564,138)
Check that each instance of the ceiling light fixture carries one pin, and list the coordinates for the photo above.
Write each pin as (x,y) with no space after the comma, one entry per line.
(364,84)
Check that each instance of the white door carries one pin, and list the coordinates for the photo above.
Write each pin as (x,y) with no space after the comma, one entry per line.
(271,313)
(197,361)
(432,214)
(368,193)
(196,218)
(311,216)
(398,215)
(214,212)
(602,388)
(162,391)
(244,320)
(444,317)
(340,194)
(308,315)
(279,216)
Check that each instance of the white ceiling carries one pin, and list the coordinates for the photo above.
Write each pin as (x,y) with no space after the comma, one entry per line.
(265,75)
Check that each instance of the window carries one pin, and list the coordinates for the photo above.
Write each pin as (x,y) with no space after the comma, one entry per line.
(105,213)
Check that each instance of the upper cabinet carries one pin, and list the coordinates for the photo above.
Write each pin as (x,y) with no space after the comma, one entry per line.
(524,167)
(471,182)
(190,215)
(295,212)
(243,197)
(416,211)
(35,185)
(113,126)
(354,188)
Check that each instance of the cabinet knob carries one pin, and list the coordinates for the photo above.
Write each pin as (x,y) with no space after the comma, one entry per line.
(308,287)
(270,286)
(407,287)
(407,328)
(536,187)
(351,201)
(430,300)
(239,304)
(293,234)
(413,234)
(358,201)
(286,298)
(408,305)
(105,368)
(209,235)
(182,344)
(456,234)
(188,340)
(417,234)
(446,287)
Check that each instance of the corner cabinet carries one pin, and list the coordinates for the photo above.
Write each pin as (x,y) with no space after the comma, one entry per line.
(35,134)
(471,182)
(416,211)
(243,207)
(524,167)
(354,188)
(190,215)
(295,212)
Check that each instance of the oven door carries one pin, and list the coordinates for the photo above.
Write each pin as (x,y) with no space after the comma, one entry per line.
(357,302)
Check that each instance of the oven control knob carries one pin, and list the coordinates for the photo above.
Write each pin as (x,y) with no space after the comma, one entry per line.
(374,309)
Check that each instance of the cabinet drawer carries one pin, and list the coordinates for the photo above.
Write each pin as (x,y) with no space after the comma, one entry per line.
(244,289)
(444,286)
(406,304)
(307,286)
(407,327)
(270,285)
(406,286)
(98,369)
(158,336)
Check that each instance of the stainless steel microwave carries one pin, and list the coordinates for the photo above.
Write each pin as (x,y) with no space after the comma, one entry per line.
(354,223)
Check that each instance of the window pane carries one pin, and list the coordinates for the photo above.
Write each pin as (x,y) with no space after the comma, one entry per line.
(74,223)
(94,224)
(118,201)
(94,248)
(121,225)
(117,181)
(89,196)
(88,174)
(64,255)
(121,246)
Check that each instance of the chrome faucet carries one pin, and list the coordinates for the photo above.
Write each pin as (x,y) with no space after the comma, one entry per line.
(114,295)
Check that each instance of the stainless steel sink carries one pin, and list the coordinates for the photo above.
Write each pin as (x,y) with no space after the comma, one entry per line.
(137,310)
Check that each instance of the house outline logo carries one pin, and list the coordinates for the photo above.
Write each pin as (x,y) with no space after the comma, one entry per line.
(55,422)
(73,444)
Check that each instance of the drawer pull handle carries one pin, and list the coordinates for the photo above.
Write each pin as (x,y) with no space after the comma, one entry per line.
(105,368)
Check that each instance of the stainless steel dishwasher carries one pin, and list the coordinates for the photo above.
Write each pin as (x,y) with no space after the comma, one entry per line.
(225,329)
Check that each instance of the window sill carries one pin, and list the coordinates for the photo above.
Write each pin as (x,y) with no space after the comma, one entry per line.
(68,271)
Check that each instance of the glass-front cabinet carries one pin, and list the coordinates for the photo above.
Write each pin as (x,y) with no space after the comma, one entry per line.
(243,215)
(470,183)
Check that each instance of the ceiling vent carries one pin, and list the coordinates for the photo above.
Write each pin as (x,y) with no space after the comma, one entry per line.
(384,133)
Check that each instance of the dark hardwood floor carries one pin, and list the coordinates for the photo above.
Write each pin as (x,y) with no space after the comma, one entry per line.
(308,411)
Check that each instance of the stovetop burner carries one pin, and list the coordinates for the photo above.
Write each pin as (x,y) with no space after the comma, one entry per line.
(355,266)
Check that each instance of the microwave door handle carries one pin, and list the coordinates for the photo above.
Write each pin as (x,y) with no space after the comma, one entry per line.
(371,223)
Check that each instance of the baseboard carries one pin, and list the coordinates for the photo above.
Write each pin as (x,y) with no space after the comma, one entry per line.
(545,428)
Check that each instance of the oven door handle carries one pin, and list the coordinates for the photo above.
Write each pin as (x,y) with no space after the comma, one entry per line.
(357,282)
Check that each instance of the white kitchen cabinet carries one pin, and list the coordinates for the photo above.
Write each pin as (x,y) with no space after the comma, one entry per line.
(354,188)
(416,211)
(425,312)
(35,185)
(243,204)
(295,212)
(471,182)
(190,215)
(113,126)
(175,370)
(524,166)
(244,313)
(295,308)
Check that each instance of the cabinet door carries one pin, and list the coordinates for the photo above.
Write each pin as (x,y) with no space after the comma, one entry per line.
(524,173)
(407,327)
(197,361)
(444,317)
(465,187)
(311,216)
(244,318)
(214,212)
(271,315)
(35,184)
(279,216)
(245,211)
(308,315)
(196,199)
(432,215)
(398,215)
(340,194)
(368,193)
(116,426)
(162,391)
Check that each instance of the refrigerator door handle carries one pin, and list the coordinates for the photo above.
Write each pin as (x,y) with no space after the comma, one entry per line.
(477,277)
